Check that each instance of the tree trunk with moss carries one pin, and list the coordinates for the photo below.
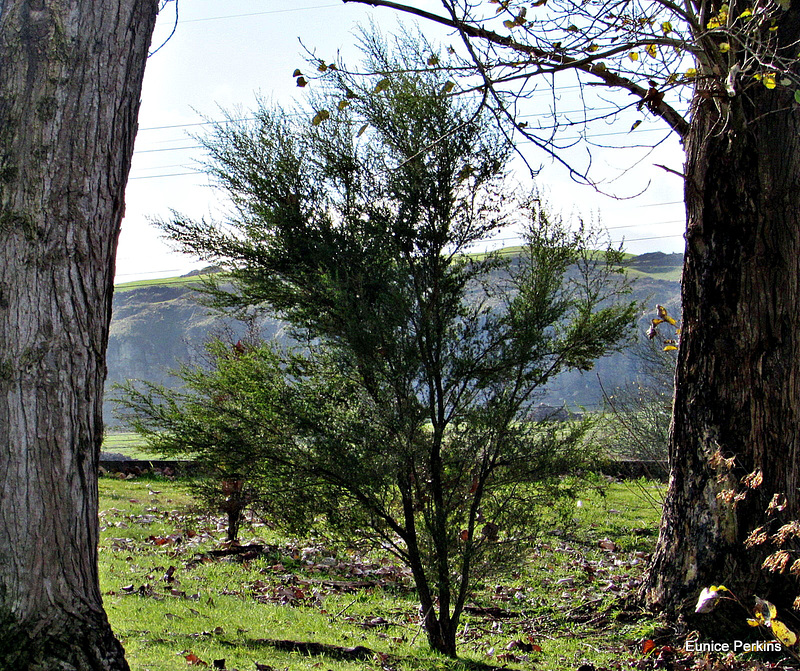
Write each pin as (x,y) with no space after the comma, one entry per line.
(735,439)
(70,80)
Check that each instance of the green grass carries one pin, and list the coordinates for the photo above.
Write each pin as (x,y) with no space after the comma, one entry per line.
(671,274)
(167,598)
(128,443)
(138,284)
(665,273)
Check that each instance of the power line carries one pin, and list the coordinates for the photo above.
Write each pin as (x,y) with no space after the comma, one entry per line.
(152,151)
(173,174)
(198,123)
(654,223)
(271,11)
(655,237)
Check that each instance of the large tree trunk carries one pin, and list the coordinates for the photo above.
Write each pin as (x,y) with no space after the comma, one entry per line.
(70,80)
(738,375)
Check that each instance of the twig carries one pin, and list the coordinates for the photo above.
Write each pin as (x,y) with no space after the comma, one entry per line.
(674,172)
(344,609)
(422,624)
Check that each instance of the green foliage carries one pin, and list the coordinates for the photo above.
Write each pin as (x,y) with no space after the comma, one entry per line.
(404,417)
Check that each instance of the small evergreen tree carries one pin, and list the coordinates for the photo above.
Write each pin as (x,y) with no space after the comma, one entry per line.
(405,414)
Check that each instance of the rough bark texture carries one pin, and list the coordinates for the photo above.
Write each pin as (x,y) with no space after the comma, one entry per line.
(70,80)
(738,377)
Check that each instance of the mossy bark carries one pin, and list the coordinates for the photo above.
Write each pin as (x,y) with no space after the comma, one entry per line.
(70,81)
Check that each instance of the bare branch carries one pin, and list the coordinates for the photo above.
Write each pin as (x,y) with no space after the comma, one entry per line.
(553,60)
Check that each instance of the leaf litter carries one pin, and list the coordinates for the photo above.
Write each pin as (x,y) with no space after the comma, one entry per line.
(574,589)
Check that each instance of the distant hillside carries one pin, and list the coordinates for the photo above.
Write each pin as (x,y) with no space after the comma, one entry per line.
(157,324)
(656,266)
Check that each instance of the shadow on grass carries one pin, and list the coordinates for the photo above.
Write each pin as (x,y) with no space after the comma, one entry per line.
(360,652)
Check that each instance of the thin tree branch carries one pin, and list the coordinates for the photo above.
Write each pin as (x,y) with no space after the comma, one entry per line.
(557,60)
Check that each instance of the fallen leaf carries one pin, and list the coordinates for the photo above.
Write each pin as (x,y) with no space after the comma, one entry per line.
(194,660)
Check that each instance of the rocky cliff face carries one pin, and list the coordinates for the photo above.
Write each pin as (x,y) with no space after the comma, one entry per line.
(155,328)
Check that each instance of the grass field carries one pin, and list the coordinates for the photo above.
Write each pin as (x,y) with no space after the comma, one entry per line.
(176,604)
(672,273)
(128,443)
(137,284)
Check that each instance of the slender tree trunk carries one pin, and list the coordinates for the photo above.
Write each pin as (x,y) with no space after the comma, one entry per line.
(738,375)
(70,80)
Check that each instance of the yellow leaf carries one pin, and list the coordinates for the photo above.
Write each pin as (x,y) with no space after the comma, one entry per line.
(342,104)
(449,86)
(634,55)
(652,50)
(320,117)
(635,125)
(666,27)
(724,47)
(708,599)
(691,73)
(592,48)
(670,348)
(382,85)
(322,66)
(752,622)
(783,633)
(672,78)
(662,314)
(746,14)
(769,80)
(764,611)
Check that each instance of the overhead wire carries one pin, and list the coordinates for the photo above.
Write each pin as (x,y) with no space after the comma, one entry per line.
(326,6)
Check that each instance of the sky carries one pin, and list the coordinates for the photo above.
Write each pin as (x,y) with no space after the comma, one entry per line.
(223,55)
